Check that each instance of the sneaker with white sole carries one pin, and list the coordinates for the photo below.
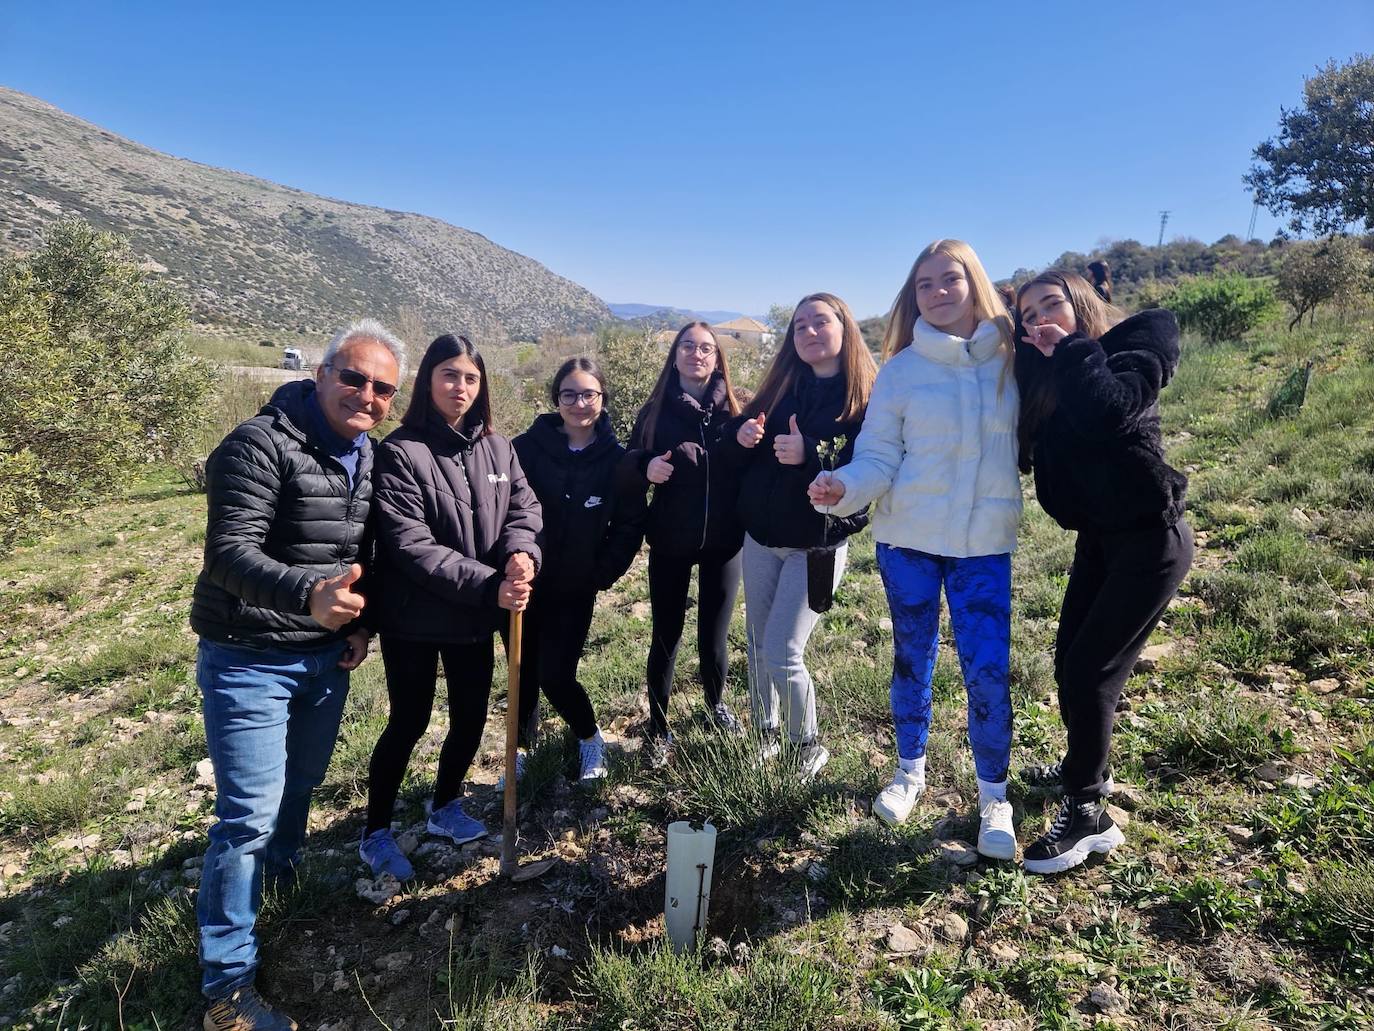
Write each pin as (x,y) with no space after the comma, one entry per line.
(451,821)
(520,758)
(383,856)
(812,759)
(592,753)
(894,803)
(1082,826)
(770,744)
(996,836)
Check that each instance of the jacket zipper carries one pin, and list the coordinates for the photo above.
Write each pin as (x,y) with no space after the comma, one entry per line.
(706,454)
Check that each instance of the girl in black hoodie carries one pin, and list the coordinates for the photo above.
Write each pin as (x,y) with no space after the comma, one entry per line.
(592,531)
(1089,428)
(804,419)
(691,520)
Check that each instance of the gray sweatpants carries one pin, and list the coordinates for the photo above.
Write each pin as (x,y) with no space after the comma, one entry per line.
(778,623)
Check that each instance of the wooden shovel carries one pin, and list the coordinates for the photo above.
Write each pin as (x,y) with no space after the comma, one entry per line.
(509,831)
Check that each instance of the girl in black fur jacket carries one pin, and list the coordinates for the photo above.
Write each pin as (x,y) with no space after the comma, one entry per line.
(1089,429)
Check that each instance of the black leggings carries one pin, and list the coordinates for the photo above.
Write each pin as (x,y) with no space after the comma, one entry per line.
(669,578)
(411,671)
(556,624)
(1120,585)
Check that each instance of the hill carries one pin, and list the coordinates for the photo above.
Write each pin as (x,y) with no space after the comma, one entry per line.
(667,313)
(252,253)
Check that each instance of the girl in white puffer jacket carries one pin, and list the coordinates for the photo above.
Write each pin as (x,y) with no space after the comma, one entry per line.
(938,455)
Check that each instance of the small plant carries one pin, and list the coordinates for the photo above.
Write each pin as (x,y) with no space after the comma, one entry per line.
(1003,888)
(1210,905)
(919,999)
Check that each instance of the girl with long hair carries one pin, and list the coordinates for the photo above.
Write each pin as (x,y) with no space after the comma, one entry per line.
(691,521)
(456,545)
(938,455)
(1089,429)
(804,418)
(592,530)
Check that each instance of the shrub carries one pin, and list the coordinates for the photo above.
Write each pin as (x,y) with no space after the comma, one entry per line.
(101,382)
(1223,307)
(1315,272)
(632,363)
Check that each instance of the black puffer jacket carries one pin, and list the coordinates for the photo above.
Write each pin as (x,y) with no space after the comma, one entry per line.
(695,509)
(772,497)
(451,509)
(592,530)
(281,517)
(1098,457)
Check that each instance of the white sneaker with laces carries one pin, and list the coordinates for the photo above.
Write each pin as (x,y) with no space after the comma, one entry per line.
(593,755)
(996,836)
(894,803)
(812,760)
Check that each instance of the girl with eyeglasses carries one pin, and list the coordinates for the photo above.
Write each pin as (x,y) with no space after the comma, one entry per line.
(457,546)
(691,522)
(592,531)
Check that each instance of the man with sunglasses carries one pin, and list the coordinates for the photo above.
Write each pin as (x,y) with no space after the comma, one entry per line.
(277,608)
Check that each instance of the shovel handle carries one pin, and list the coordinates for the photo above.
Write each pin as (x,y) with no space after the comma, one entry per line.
(508,825)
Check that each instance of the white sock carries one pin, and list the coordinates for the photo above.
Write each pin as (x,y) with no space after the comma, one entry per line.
(990,791)
(594,737)
(916,766)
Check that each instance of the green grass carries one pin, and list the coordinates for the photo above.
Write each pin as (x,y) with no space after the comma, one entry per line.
(99,808)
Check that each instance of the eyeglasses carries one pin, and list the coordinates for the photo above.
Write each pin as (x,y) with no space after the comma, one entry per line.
(579,397)
(355,380)
(705,350)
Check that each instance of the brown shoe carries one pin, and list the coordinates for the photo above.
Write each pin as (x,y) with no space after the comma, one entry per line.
(245,1010)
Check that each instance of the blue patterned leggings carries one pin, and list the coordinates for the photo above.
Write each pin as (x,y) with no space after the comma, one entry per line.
(979,593)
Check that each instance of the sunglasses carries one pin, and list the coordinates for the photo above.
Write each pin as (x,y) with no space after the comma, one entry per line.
(355,380)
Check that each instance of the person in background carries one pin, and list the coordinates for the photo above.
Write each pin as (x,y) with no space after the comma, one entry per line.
(938,455)
(814,393)
(457,528)
(277,607)
(593,526)
(692,522)
(1089,430)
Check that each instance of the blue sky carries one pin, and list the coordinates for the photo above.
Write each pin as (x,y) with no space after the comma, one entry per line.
(705,155)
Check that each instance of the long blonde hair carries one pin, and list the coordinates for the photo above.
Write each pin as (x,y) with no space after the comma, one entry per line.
(987,305)
(648,415)
(859,368)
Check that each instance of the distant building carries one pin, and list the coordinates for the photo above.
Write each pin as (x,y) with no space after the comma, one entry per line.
(745,330)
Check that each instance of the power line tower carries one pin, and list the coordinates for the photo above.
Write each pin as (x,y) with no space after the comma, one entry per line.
(1163,221)
(1254,214)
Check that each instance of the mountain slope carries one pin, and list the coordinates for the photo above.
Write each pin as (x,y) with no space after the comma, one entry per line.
(251,253)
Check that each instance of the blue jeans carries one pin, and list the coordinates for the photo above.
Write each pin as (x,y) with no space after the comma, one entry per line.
(979,593)
(271,717)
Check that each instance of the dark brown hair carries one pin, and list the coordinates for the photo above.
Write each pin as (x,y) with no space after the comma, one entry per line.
(580,364)
(421,400)
(1038,395)
(649,414)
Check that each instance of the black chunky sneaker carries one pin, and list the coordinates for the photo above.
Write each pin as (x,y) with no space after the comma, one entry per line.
(245,1010)
(1050,777)
(1081,826)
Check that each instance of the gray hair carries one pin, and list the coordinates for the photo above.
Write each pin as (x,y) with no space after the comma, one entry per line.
(367,329)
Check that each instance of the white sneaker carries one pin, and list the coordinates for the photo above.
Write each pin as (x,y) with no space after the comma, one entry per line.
(996,836)
(893,804)
(519,771)
(593,755)
(812,760)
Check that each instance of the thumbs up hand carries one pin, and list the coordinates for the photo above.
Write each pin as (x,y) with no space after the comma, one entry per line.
(751,430)
(790,448)
(660,468)
(333,602)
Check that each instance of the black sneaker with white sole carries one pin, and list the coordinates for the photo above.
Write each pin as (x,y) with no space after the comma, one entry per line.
(1050,777)
(1082,826)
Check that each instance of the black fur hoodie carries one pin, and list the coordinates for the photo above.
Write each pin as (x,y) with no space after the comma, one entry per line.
(1097,455)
